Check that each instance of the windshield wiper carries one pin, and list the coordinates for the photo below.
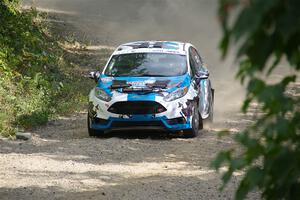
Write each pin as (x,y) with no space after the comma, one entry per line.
(154,75)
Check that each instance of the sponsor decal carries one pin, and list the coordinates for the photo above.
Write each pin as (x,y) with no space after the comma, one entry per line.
(150,81)
(136,82)
(106,79)
(136,97)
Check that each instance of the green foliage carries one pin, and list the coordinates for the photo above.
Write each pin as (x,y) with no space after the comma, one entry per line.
(266,31)
(34,79)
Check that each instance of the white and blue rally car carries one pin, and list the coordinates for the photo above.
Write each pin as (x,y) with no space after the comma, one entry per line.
(156,85)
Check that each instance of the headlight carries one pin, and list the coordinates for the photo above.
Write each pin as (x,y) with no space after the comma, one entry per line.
(176,94)
(102,95)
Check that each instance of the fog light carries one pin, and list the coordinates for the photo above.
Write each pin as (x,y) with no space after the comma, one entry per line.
(100,121)
(179,120)
(160,110)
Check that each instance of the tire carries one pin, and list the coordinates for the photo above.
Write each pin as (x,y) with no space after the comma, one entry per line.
(196,125)
(210,118)
(93,132)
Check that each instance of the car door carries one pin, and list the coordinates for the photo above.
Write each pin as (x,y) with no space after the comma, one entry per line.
(203,83)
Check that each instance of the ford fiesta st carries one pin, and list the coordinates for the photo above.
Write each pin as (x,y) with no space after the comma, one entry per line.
(156,85)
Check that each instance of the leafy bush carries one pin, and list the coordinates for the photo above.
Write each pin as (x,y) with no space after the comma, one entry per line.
(34,78)
(266,31)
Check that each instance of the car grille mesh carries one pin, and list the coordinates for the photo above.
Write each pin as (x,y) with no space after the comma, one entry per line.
(120,124)
(136,108)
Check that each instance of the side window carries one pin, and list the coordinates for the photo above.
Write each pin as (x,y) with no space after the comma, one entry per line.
(198,59)
(195,60)
(192,61)
(201,66)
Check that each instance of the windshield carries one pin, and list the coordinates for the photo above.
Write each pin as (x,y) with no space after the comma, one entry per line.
(147,64)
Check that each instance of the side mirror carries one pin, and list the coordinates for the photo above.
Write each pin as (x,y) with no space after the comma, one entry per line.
(94,75)
(202,75)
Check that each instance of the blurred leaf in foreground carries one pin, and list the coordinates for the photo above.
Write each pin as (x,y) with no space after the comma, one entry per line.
(266,32)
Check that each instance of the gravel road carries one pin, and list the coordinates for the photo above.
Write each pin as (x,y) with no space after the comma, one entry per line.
(62,162)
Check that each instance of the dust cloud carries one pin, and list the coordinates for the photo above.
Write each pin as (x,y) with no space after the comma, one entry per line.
(112,22)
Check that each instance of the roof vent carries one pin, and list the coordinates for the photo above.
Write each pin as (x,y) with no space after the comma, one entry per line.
(144,45)
(158,45)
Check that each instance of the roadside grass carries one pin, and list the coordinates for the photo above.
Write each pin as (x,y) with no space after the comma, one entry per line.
(41,70)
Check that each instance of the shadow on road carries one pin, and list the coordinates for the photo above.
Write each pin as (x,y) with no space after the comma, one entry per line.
(138,134)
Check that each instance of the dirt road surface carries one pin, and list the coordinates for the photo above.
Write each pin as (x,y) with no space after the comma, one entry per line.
(62,162)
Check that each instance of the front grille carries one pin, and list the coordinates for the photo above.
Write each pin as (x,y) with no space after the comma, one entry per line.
(120,124)
(136,108)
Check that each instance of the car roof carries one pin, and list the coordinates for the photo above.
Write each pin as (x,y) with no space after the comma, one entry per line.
(172,47)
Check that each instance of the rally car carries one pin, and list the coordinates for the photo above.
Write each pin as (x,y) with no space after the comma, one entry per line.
(156,85)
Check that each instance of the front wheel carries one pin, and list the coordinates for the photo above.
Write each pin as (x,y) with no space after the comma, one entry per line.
(92,132)
(196,125)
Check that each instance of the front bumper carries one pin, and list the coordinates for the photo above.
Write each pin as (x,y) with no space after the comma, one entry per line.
(139,122)
(177,114)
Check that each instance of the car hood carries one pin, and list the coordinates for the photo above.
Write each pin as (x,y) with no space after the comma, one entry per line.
(172,83)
